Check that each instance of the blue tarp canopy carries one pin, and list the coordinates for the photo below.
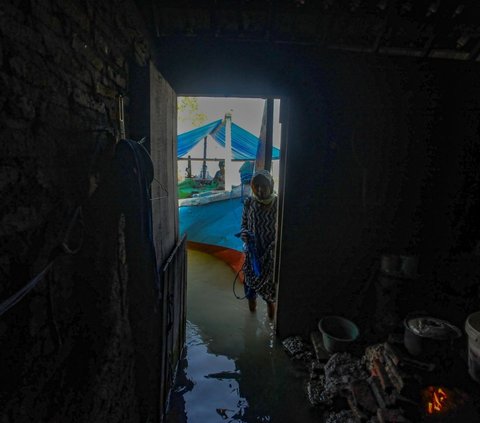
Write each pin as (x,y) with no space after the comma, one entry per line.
(244,143)
(190,139)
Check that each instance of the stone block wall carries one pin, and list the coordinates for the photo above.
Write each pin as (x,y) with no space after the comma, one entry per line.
(66,349)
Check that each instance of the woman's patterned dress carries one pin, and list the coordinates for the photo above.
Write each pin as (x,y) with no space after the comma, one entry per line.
(261,221)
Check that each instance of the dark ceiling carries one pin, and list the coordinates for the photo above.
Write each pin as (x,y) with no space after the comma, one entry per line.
(422,28)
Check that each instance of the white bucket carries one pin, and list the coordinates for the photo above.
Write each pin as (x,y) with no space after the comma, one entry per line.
(472,328)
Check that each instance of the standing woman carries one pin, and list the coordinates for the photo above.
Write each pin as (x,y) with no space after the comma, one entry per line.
(258,231)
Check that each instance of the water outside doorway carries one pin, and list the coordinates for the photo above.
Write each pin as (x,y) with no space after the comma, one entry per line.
(234,369)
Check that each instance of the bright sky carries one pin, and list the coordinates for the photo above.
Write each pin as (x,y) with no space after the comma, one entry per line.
(246,112)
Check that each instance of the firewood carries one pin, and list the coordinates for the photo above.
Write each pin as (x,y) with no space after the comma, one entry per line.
(372,353)
(393,353)
(399,358)
(355,410)
(393,374)
(376,390)
(420,365)
(405,399)
(382,374)
(363,396)
(385,415)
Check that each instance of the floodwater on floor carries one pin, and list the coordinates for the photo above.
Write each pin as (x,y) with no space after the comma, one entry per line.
(234,369)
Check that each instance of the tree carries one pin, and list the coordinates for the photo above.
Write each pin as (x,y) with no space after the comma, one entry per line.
(188,111)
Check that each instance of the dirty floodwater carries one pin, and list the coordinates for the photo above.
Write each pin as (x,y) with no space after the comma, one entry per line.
(233,369)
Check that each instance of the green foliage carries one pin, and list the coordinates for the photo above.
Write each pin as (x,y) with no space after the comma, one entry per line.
(188,187)
(188,111)
(187,104)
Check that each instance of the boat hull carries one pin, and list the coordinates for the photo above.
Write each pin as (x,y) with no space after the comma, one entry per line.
(212,227)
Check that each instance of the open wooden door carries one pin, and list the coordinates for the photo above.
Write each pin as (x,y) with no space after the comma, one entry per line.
(156,301)
(163,149)
(284,120)
(171,253)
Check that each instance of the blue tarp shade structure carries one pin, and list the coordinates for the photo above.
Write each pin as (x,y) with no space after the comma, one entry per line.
(190,139)
(244,143)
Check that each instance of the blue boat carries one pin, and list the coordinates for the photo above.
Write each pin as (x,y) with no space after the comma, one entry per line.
(211,219)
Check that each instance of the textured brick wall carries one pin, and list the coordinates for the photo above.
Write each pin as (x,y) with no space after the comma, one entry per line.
(66,348)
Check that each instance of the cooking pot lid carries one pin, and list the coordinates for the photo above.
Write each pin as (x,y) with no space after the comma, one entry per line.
(431,327)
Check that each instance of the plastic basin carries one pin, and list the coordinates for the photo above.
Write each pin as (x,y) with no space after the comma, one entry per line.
(338,333)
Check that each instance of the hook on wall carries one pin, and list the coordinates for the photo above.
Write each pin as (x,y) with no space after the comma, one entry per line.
(121,117)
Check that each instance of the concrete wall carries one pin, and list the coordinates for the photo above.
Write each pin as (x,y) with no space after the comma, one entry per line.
(389,170)
(67,349)
(382,158)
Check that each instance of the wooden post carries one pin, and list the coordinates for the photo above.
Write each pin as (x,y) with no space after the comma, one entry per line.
(264,151)
(189,167)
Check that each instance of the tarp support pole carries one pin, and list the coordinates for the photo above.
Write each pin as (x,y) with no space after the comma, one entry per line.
(228,152)
(204,166)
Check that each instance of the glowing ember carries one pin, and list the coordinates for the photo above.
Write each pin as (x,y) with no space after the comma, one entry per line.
(437,400)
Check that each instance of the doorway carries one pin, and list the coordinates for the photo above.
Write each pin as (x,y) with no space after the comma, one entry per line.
(232,355)
(221,141)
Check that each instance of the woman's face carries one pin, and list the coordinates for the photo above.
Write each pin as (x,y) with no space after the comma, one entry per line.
(261,188)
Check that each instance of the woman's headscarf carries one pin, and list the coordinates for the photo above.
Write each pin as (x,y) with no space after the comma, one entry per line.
(266,174)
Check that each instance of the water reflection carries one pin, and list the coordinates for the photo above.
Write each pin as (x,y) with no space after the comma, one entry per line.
(234,369)
(214,377)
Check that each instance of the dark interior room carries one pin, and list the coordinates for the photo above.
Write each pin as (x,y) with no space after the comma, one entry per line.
(378,202)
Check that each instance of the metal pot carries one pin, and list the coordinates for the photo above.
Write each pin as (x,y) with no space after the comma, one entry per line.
(426,334)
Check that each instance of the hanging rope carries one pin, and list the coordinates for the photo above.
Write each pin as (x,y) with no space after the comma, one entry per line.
(15,298)
(234,282)
(66,248)
(78,216)
(161,186)
(141,142)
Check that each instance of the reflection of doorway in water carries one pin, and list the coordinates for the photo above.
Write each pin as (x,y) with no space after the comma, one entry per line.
(233,367)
